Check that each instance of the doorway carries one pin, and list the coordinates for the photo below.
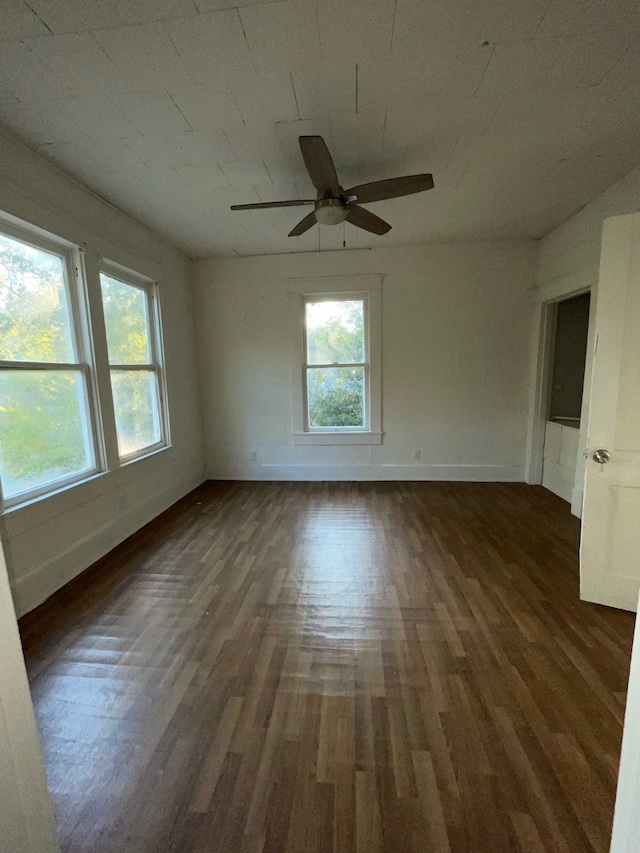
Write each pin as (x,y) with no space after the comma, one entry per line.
(568,349)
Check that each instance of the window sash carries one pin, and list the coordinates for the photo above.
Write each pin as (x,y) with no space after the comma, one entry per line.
(312,300)
(146,367)
(335,364)
(75,300)
(87,404)
(162,441)
(148,315)
(155,348)
(365,399)
(41,365)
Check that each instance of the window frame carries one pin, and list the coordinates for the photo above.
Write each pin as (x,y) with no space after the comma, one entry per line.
(156,351)
(326,290)
(76,296)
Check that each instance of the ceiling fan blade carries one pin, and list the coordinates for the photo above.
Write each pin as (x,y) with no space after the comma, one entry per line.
(319,165)
(293,203)
(367,220)
(308,222)
(390,188)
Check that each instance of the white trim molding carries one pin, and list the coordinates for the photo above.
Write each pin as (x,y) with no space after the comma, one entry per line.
(307,471)
(336,436)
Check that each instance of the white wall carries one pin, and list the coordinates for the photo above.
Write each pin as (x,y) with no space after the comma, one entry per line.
(568,263)
(456,324)
(50,541)
(569,257)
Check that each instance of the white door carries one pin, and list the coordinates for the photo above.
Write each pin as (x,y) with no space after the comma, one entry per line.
(610,546)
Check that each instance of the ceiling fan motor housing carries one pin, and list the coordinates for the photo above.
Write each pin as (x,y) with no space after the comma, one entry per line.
(330,211)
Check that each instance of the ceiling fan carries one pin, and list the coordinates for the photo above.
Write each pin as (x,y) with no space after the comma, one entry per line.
(333,203)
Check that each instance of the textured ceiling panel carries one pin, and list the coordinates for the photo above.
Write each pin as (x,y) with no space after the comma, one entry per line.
(523,110)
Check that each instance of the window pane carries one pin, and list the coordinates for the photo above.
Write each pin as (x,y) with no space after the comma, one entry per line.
(136,407)
(335,332)
(335,396)
(127,321)
(34,315)
(44,431)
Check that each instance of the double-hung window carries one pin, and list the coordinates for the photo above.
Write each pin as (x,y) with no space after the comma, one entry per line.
(61,419)
(337,399)
(47,428)
(336,369)
(133,343)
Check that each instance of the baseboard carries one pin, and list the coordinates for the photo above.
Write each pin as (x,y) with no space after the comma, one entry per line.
(460,473)
(33,589)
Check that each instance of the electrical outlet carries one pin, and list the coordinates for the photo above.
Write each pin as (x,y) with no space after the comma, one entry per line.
(416,454)
(254,455)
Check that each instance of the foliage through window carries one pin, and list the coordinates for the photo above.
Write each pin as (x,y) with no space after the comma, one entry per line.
(336,363)
(129,315)
(46,434)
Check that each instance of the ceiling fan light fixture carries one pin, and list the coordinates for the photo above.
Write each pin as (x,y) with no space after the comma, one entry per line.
(331,211)
(334,204)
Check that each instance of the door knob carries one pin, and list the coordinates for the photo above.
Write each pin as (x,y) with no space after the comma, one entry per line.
(601,456)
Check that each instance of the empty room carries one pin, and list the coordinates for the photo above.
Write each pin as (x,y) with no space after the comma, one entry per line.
(319,426)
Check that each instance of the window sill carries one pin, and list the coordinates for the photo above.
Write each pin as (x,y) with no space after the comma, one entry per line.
(329,437)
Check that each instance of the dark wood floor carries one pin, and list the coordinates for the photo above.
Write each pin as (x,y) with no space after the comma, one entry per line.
(356,668)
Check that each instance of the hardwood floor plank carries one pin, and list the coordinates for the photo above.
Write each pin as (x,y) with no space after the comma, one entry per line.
(332,667)
(210,772)
(427,785)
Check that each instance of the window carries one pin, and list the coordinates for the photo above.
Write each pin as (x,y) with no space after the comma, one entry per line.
(46,425)
(130,315)
(76,397)
(337,400)
(336,368)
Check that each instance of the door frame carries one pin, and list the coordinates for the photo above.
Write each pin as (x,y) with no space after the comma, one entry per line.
(546,306)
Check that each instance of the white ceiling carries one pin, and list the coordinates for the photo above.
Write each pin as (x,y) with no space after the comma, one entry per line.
(523,110)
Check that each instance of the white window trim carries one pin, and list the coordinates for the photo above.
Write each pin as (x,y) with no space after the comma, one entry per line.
(156,345)
(367,288)
(84,364)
